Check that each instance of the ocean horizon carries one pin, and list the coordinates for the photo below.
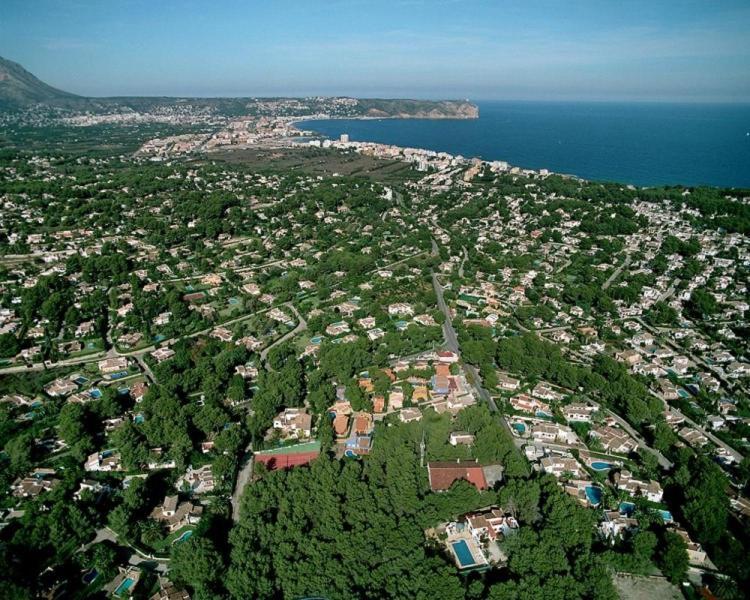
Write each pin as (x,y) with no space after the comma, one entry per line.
(640,143)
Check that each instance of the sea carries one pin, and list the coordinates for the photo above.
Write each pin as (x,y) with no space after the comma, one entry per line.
(645,144)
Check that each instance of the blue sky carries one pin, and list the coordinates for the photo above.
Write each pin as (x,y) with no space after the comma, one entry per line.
(691,50)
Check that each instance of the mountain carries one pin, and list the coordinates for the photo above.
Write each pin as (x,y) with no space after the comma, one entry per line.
(418,109)
(19,88)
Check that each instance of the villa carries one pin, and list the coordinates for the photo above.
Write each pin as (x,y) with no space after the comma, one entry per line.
(443,475)
(177,514)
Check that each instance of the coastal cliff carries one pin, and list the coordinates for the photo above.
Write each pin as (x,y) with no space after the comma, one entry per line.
(418,109)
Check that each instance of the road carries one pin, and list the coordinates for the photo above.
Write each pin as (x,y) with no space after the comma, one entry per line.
(664,462)
(717,441)
(617,272)
(243,477)
(463,261)
(301,326)
(137,558)
(451,343)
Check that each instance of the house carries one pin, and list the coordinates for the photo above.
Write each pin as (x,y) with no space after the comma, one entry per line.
(378,404)
(253,289)
(491,524)
(130,340)
(107,460)
(420,394)
(578,412)
(40,480)
(363,423)
(162,354)
(446,356)
(506,383)
(89,485)
(614,524)
(559,465)
(113,365)
(293,422)
(526,403)
(84,329)
(407,415)
(396,399)
(461,437)
(197,481)
(60,387)
(552,432)
(168,591)
(696,554)
(651,490)
(400,308)
(545,392)
(443,475)
(614,440)
(630,357)
(338,328)
(138,391)
(177,514)
(341,425)
(222,334)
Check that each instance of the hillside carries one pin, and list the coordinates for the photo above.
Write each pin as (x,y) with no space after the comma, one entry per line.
(418,109)
(19,88)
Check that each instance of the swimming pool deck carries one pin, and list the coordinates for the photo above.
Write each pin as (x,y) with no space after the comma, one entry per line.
(479,559)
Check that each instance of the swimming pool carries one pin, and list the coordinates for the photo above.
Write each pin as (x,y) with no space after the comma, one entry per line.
(543,414)
(80,380)
(119,375)
(158,337)
(627,508)
(599,465)
(95,393)
(234,301)
(519,427)
(90,576)
(126,584)
(666,516)
(463,554)
(594,494)
(316,340)
(350,454)
(184,537)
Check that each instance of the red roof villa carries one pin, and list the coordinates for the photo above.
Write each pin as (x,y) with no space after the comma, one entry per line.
(443,474)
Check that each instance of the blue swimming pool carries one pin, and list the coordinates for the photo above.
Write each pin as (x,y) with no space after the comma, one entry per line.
(666,516)
(95,393)
(234,301)
(543,414)
(627,508)
(119,375)
(350,454)
(519,427)
(138,419)
(126,584)
(461,548)
(80,380)
(184,537)
(316,340)
(594,494)
(599,465)
(90,576)
(158,337)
